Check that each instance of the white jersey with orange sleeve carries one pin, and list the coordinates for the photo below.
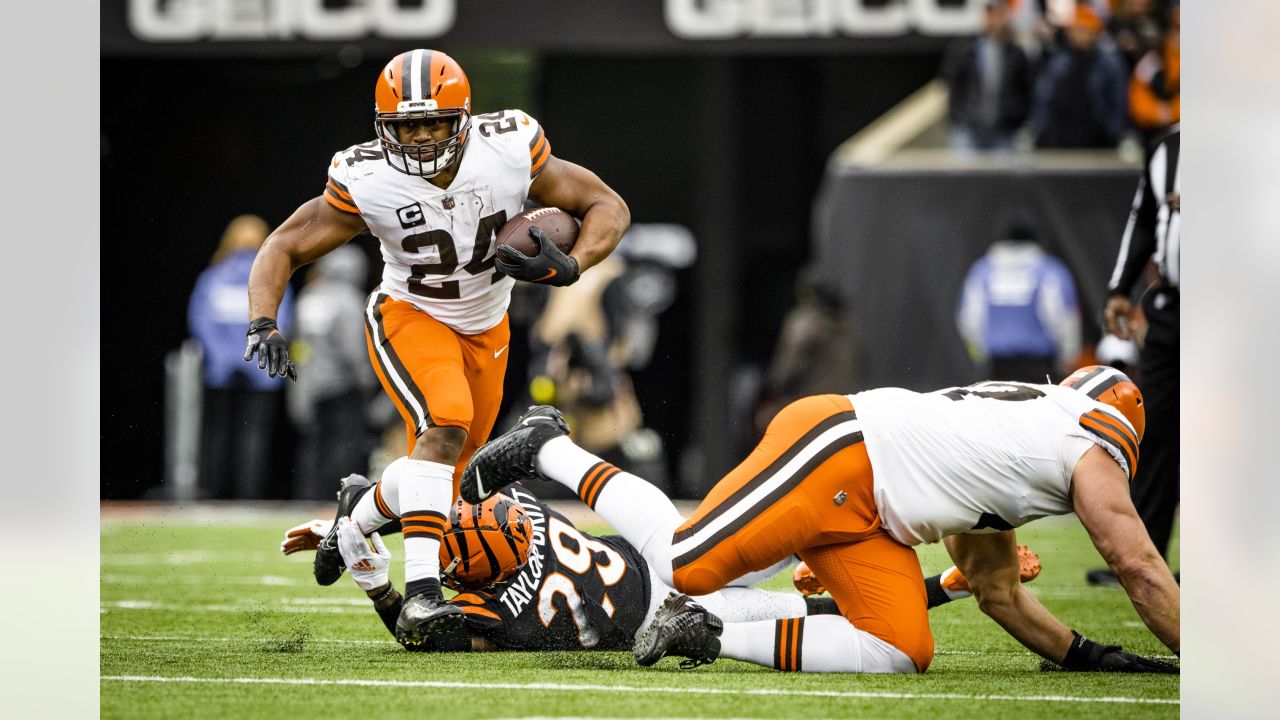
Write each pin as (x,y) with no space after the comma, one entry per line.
(437,245)
(984,458)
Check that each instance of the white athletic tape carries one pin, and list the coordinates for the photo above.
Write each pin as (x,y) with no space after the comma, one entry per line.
(555,687)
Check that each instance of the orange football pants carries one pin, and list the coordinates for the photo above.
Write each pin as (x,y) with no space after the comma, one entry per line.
(807,489)
(436,376)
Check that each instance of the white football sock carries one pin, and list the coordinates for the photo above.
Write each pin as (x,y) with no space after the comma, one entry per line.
(371,512)
(426,492)
(818,643)
(741,605)
(637,510)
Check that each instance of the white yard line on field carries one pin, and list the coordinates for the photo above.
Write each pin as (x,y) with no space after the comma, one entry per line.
(198,639)
(188,557)
(554,687)
(285,606)
(252,581)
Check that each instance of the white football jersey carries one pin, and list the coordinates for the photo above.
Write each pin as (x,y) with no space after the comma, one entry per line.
(437,245)
(983,458)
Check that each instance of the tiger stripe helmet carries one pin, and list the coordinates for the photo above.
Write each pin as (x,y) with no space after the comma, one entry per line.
(1111,387)
(484,544)
(417,85)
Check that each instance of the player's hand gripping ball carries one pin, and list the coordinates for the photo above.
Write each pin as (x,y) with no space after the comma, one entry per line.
(534,245)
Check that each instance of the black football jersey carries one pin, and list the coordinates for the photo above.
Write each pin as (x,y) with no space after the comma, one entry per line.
(577,591)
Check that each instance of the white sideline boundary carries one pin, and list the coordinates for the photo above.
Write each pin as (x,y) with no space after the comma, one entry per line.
(557,687)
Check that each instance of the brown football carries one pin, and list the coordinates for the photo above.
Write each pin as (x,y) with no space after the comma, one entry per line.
(559,226)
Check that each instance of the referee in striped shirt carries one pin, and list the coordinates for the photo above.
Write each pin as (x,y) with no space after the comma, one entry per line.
(1153,234)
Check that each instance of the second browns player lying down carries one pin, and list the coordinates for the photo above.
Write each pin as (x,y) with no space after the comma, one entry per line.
(849,483)
(528,579)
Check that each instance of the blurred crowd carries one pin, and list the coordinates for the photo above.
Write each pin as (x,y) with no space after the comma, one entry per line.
(1065,74)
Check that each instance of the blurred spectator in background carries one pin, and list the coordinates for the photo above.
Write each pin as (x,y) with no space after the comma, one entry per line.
(1134,27)
(241,403)
(1153,236)
(1120,354)
(591,335)
(1154,86)
(989,79)
(329,403)
(1018,312)
(817,350)
(1080,96)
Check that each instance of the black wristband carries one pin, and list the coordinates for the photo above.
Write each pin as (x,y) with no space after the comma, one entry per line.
(261,323)
(1083,653)
(383,596)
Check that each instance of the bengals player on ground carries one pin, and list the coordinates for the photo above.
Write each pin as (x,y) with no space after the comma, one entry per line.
(433,186)
(543,584)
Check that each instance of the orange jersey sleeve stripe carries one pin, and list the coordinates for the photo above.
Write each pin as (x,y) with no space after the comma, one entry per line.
(340,190)
(339,203)
(1119,428)
(1112,438)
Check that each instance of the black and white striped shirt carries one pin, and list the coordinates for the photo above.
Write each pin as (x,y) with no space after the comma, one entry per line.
(1154,230)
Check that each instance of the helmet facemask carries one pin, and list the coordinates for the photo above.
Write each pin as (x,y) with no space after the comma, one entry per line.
(426,159)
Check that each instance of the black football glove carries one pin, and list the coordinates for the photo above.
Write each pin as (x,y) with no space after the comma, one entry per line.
(1086,655)
(266,339)
(548,267)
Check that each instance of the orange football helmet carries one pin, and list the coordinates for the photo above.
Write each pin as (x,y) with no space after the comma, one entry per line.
(417,85)
(484,544)
(1111,387)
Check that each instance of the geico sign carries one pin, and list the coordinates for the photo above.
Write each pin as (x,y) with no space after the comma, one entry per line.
(161,20)
(719,19)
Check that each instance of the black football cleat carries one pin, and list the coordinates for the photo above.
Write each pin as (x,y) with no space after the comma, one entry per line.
(512,456)
(328,565)
(681,628)
(426,617)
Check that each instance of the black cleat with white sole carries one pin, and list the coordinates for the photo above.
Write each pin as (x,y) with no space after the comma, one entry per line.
(681,628)
(328,565)
(424,618)
(511,457)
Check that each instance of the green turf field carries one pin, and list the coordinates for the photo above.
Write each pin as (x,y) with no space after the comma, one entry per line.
(202,617)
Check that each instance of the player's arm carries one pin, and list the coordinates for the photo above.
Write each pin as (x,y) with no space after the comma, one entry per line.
(990,563)
(1100,492)
(313,231)
(368,562)
(581,193)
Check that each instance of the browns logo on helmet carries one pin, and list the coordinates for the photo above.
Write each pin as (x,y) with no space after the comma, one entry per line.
(1111,387)
(484,544)
(422,85)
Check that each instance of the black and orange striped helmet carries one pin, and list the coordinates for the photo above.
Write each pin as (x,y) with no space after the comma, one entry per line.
(1111,387)
(417,85)
(484,544)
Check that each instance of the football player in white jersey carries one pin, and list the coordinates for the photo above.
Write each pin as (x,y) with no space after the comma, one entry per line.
(433,187)
(850,483)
